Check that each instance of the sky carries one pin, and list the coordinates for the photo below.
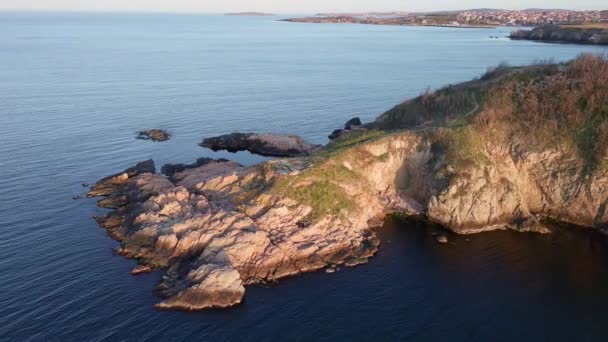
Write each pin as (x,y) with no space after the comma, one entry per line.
(287,6)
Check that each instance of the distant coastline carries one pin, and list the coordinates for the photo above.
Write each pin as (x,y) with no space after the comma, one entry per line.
(391,21)
(475,18)
(250,14)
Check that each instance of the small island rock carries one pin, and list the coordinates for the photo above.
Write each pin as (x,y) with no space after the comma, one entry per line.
(154,135)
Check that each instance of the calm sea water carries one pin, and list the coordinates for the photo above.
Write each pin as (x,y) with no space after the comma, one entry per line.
(74,89)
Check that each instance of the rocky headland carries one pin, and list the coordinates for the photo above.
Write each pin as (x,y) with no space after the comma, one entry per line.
(510,150)
(573,34)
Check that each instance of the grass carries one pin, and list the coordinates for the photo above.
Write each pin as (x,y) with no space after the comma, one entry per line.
(323,195)
(350,140)
(432,108)
(463,146)
(318,187)
(558,106)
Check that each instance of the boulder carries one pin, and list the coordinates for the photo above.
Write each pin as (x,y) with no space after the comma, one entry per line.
(352,122)
(336,134)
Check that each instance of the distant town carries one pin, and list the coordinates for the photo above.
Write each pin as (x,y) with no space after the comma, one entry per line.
(530,17)
(466,18)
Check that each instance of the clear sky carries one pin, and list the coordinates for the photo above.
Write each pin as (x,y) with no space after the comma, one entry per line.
(288,6)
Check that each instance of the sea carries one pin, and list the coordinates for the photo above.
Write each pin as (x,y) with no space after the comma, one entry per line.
(76,87)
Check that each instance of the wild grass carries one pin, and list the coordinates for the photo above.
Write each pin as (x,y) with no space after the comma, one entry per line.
(545,105)
(562,106)
(430,108)
(351,139)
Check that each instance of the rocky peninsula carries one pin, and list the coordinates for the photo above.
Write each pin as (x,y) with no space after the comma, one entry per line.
(592,34)
(516,147)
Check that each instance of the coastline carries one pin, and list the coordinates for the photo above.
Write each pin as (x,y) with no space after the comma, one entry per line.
(380,23)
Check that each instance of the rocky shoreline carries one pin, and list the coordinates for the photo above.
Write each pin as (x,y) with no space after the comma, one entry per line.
(215,229)
(216,226)
(564,34)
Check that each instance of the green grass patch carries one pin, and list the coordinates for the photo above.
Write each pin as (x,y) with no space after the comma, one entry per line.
(351,139)
(323,196)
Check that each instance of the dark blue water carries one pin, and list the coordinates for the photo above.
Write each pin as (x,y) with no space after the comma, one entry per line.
(74,89)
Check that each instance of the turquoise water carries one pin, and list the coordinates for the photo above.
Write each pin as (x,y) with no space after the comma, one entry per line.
(74,89)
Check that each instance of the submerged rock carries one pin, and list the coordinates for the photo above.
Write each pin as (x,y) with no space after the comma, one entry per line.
(441,239)
(272,145)
(139,269)
(154,135)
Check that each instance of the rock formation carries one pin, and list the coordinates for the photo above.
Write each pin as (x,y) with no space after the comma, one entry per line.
(154,135)
(217,227)
(352,125)
(564,34)
(272,145)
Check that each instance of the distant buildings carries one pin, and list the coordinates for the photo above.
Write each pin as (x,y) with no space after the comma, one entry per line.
(531,17)
(472,18)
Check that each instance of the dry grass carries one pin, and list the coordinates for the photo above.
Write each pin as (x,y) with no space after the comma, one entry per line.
(431,108)
(565,106)
(542,106)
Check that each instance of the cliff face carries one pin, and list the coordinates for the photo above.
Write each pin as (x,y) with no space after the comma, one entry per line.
(515,190)
(505,157)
